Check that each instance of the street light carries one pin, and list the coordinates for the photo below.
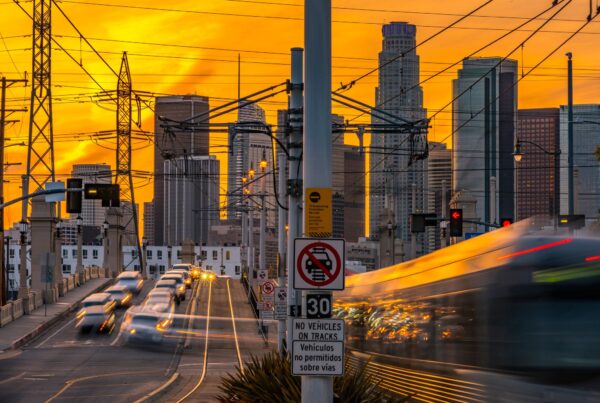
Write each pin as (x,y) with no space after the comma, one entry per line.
(251,173)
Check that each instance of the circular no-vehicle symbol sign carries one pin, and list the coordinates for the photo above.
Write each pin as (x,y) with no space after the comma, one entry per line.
(268,288)
(319,264)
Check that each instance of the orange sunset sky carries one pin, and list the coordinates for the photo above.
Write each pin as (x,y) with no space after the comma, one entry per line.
(191,47)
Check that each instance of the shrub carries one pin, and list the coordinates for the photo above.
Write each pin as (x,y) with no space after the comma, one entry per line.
(269,379)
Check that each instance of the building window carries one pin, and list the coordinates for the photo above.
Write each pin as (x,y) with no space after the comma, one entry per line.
(161,269)
(65,253)
(237,270)
(85,254)
(149,254)
(203,255)
(11,268)
(227,255)
(134,253)
(159,254)
(215,254)
(178,253)
(66,268)
(152,269)
(74,253)
(95,253)
(11,253)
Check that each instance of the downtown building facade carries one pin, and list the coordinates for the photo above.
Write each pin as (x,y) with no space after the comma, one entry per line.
(392,170)
(177,145)
(537,174)
(484,114)
(92,212)
(191,203)
(248,146)
(149,222)
(586,168)
(439,179)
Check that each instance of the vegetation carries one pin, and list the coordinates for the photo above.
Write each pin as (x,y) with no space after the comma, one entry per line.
(268,379)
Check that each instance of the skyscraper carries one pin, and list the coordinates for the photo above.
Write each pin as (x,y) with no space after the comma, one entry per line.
(246,151)
(484,120)
(439,173)
(391,171)
(174,144)
(586,168)
(536,174)
(149,222)
(191,202)
(92,212)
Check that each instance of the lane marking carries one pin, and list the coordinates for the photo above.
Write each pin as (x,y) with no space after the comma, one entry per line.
(204,366)
(14,378)
(55,333)
(237,346)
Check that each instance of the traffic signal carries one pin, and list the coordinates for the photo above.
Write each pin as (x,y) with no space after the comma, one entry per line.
(108,193)
(573,221)
(456,222)
(506,222)
(74,199)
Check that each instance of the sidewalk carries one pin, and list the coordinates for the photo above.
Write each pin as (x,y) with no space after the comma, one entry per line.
(25,328)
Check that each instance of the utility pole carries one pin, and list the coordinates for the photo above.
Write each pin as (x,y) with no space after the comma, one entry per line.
(295,121)
(493,208)
(263,215)
(317,138)
(6,83)
(413,236)
(570,178)
(281,233)
(444,223)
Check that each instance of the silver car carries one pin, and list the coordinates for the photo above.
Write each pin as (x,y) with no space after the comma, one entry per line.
(147,327)
(178,278)
(170,285)
(95,318)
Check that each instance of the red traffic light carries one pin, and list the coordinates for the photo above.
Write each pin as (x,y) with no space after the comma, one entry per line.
(456,215)
(506,222)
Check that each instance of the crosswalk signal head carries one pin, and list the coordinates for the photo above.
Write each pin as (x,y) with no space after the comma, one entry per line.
(456,222)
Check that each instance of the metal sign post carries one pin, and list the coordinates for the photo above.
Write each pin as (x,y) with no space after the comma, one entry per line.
(317,386)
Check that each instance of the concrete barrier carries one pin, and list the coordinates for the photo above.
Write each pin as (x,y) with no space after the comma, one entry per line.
(39,300)
(6,314)
(62,288)
(29,302)
(71,282)
(17,308)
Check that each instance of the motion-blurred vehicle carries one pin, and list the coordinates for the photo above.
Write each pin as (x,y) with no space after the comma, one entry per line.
(132,280)
(196,272)
(187,278)
(170,285)
(182,266)
(146,326)
(95,318)
(160,302)
(121,295)
(179,279)
(208,275)
(100,299)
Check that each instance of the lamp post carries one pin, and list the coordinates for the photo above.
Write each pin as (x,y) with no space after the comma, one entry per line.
(518,155)
(5,271)
(144,257)
(105,227)
(79,222)
(251,267)
(263,214)
(23,286)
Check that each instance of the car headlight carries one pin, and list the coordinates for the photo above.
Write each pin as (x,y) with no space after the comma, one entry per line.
(204,276)
(181,288)
(132,331)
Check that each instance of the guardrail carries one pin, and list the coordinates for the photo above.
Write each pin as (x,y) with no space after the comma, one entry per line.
(252,300)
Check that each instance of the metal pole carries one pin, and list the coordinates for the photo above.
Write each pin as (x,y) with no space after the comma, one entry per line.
(281,237)
(570,132)
(251,247)
(493,217)
(2,124)
(79,250)
(263,224)
(317,138)
(444,214)
(295,177)
(413,236)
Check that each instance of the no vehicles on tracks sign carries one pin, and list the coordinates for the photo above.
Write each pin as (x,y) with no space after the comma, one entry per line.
(319,264)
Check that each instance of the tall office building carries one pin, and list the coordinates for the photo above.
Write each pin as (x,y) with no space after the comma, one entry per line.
(175,144)
(586,181)
(391,171)
(191,205)
(354,194)
(92,212)
(484,119)
(439,173)
(246,151)
(149,222)
(537,176)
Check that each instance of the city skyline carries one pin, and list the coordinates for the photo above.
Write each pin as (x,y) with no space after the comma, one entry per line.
(217,79)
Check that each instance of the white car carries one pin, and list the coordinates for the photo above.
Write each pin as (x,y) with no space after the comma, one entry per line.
(132,280)
(160,303)
(146,326)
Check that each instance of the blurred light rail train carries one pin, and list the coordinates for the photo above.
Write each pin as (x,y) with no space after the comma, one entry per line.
(506,307)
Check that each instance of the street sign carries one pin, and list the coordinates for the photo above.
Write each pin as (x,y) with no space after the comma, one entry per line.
(318,215)
(267,291)
(319,264)
(262,276)
(56,197)
(318,306)
(280,303)
(469,235)
(266,314)
(318,347)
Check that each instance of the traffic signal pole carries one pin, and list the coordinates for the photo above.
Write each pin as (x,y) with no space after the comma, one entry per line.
(317,138)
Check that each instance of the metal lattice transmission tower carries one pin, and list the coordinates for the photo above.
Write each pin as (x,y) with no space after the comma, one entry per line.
(40,152)
(123,176)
